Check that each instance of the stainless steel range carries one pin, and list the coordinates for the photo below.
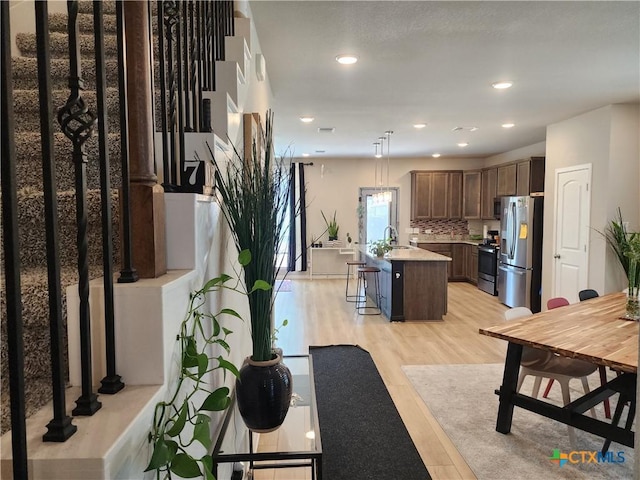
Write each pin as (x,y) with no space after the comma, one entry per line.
(488,268)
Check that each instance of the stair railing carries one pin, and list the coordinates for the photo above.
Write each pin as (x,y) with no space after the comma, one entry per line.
(11,247)
(191,41)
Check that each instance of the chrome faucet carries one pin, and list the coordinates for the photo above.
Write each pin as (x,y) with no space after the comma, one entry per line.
(393,234)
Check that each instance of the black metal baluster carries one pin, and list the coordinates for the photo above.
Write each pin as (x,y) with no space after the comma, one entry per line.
(167,182)
(193,71)
(128,273)
(180,54)
(232,23)
(111,383)
(60,427)
(199,46)
(210,53)
(11,247)
(185,65)
(77,123)
(170,21)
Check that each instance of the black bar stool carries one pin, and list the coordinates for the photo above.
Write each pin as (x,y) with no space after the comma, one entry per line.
(347,297)
(362,283)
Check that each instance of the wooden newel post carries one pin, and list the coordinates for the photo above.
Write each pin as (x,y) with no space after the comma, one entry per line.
(146,195)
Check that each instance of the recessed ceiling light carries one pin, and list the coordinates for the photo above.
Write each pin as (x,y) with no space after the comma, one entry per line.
(320,151)
(473,129)
(502,85)
(305,154)
(463,144)
(419,125)
(306,119)
(508,125)
(347,59)
(436,155)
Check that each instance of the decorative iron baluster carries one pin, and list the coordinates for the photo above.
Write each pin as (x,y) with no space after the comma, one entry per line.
(60,427)
(171,18)
(11,247)
(230,30)
(128,274)
(77,123)
(111,383)
(193,70)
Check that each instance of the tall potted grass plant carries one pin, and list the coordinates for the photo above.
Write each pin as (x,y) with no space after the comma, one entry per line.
(253,196)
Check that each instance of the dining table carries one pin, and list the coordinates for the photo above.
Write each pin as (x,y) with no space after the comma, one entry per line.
(595,331)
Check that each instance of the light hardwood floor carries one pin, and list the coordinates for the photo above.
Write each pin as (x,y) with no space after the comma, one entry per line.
(319,315)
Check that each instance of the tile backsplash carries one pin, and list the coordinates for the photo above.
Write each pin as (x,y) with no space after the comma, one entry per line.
(444,226)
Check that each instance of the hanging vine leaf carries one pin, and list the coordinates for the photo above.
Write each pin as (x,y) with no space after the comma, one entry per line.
(202,430)
(160,457)
(203,363)
(227,365)
(177,427)
(185,466)
(207,464)
(244,258)
(260,285)
(217,400)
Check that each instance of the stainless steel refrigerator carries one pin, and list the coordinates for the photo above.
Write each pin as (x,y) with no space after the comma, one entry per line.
(520,268)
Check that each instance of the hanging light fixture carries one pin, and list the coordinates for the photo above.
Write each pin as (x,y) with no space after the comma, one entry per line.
(386,195)
(383,196)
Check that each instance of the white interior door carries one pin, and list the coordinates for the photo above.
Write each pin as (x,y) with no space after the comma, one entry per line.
(571,233)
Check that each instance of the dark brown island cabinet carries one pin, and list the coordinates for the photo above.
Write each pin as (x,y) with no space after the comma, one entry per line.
(413,284)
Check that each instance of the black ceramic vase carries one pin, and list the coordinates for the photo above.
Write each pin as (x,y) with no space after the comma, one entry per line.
(263,393)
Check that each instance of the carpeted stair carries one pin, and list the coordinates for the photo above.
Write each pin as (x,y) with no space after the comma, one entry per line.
(31,200)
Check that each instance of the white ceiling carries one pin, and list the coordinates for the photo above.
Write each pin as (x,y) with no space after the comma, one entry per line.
(434,62)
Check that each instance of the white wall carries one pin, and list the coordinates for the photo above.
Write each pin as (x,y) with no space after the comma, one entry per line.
(535,150)
(606,138)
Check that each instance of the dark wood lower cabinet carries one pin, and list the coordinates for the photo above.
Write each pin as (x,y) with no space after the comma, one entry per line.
(464,260)
(410,290)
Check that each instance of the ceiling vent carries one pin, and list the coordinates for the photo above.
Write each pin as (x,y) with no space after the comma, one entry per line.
(326,130)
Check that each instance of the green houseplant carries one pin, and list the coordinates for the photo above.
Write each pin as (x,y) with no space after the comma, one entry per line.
(626,246)
(332,226)
(182,420)
(253,197)
(380,247)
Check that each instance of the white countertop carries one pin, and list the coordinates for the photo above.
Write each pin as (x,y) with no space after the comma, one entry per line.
(410,254)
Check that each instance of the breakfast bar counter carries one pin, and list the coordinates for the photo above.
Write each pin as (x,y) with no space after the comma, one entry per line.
(413,283)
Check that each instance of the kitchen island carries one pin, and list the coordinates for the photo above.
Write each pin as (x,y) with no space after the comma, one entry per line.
(413,283)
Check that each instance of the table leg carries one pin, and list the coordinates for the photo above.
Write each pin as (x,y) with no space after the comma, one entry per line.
(508,387)
(319,468)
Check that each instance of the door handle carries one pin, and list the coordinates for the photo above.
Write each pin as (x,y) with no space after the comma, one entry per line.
(556,256)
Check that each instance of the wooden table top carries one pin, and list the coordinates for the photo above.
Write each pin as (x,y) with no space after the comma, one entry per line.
(591,330)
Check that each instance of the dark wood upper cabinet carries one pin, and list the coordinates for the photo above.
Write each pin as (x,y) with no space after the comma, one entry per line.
(507,175)
(440,195)
(455,194)
(471,194)
(421,184)
(489,191)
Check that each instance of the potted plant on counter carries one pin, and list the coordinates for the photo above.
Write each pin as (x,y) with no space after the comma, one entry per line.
(253,196)
(380,247)
(332,226)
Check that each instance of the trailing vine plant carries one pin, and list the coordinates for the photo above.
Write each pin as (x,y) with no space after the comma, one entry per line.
(183,420)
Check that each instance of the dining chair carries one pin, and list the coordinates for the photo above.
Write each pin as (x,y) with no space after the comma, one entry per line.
(544,364)
(557,302)
(552,303)
(587,294)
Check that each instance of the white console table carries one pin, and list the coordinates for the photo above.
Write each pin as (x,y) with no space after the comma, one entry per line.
(328,261)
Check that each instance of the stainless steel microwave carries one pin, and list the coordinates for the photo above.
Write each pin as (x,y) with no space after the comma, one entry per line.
(497,208)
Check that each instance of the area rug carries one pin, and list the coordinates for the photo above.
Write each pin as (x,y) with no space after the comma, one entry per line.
(462,399)
(363,437)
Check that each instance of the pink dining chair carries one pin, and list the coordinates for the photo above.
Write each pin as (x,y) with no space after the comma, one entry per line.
(557,302)
(552,303)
